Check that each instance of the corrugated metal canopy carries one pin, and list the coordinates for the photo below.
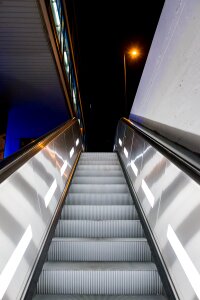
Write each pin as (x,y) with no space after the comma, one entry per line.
(26,61)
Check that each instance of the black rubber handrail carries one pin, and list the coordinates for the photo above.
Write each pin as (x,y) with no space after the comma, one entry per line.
(13,162)
(184,158)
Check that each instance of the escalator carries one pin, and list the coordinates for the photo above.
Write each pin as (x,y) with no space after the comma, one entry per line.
(78,225)
(99,250)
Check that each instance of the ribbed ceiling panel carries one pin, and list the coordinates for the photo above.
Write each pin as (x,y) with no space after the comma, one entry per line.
(25,54)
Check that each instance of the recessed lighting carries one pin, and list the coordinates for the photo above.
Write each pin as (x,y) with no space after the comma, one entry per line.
(71,152)
(185,261)
(50,193)
(148,193)
(63,168)
(56,14)
(126,152)
(134,168)
(14,261)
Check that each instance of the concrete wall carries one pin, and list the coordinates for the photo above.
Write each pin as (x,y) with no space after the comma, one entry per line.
(168,96)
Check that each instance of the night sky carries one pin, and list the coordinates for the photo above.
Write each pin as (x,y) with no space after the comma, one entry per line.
(104,30)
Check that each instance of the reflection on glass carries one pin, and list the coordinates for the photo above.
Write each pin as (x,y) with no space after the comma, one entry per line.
(120,142)
(63,38)
(56,17)
(125,152)
(185,261)
(50,193)
(148,193)
(134,168)
(71,152)
(64,167)
(10,268)
(66,62)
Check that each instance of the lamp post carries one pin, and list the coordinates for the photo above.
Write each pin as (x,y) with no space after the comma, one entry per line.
(133,54)
(125,96)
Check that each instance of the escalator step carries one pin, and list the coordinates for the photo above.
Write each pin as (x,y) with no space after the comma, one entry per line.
(99,167)
(98,297)
(99,229)
(99,212)
(98,180)
(99,199)
(98,162)
(71,249)
(99,278)
(90,173)
(98,188)
(99,155)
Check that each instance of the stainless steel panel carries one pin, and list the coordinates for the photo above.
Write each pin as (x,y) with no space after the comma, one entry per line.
(126,147)
(77,137)
(170,200)
(149,185)
(62,161)
(19,208)
(136,155)
(28,199)
(120,137)
(71,148)
(44,164)
(180,208)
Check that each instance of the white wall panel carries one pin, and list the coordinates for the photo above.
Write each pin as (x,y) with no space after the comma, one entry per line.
(169,91)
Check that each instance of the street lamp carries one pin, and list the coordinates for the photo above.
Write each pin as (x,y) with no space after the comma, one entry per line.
(133,53)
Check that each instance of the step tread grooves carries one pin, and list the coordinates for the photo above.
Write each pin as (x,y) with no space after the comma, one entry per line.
(103,266)
(98,188)
(98,297)
(99,199)
(100,278)
(99,250)
(105,228)
(66,249)
(98,180)
(99,212)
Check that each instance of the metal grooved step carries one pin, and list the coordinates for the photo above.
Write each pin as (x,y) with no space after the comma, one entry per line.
(101,156)
(99,229)
(99,212)
(68,249)
(99,173)
(99,278)
(98,180)
(99,199)
(98,162)
(99,250)
(97,297)
(99,188)
(99,167)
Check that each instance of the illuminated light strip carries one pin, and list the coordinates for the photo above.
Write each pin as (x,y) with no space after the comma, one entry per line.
(134,168)
(14,261)
(66,61)
(185,261)
(56,14)
(126,152)
(71,152)
(63,168)
(120,142)
(148,193)
(77,142)
(50,193)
